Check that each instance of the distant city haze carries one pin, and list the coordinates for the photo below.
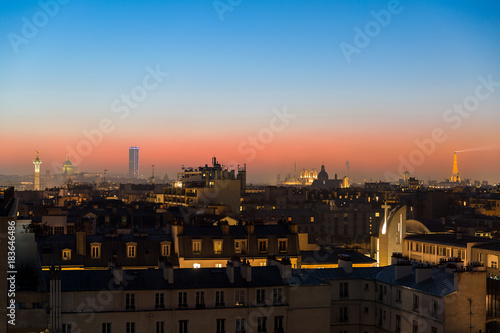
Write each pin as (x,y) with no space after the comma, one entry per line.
(206,84)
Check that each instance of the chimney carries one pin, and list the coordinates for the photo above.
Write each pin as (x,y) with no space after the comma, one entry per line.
(81,242)
(168,272)
(117,274)
(230,271)
(477,266)
(345,263)
(423,272)
(396,257)
(402,269)
(250,228)
(246,271)
(285,267)
(271,260)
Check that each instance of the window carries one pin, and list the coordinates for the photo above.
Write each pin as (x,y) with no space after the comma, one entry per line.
(240,246)
(398,324)
(494,264)
(165,249)
(240,325)
(160,327)
(219,298)
(182,299)
(131,249)
(183,326)
(200,299)
(159,301)
(416,302)
(344,289)
(66,254)
(129,301)
(278,324)
(434,329)
(261,324)
(221,325)
(196,246)
(261,296)
(282,245)
(106,328)
(366,310)
(398,295)
(312,219)
(66,328)
(415,326)
(441,251)
(367,287)
(262,245)
(59,231)
(239,297)
(217,246)
(277,296)
(435,308)
(343,314)
(95,250)
(130,327)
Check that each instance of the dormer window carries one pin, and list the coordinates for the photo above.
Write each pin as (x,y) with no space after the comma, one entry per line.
(165,249)
(95,250)
(66,254)
(131,249)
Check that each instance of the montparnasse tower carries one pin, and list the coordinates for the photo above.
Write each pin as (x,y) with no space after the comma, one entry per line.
(455,177)
(37,163)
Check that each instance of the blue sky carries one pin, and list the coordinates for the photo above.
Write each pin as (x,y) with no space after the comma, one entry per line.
(227,75)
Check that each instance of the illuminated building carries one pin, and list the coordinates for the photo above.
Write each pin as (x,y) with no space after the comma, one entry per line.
(307,177)
(289,180)
(133,162)
(214,185)
(37,163)
(322,182)
(68,168)
(455,177)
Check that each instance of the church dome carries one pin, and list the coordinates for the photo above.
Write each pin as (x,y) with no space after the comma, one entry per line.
(323,175)
(67,163)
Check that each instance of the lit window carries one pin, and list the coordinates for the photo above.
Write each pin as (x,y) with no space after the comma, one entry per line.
(312,218)
(217,246)
(95,250)
(196,246)
(66,254)
(131,250)
(377,214)
(196,265)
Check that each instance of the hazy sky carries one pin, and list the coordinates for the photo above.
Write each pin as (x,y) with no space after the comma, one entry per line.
(265,83)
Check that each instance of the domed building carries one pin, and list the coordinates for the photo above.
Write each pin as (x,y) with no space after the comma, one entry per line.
(323,175)
(68,169)
(307,177)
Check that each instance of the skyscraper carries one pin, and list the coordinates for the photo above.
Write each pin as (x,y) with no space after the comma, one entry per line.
(454,175)
(133,162)
(37,163)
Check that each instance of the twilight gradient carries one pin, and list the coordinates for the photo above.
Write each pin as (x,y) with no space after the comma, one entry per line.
(228,78)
